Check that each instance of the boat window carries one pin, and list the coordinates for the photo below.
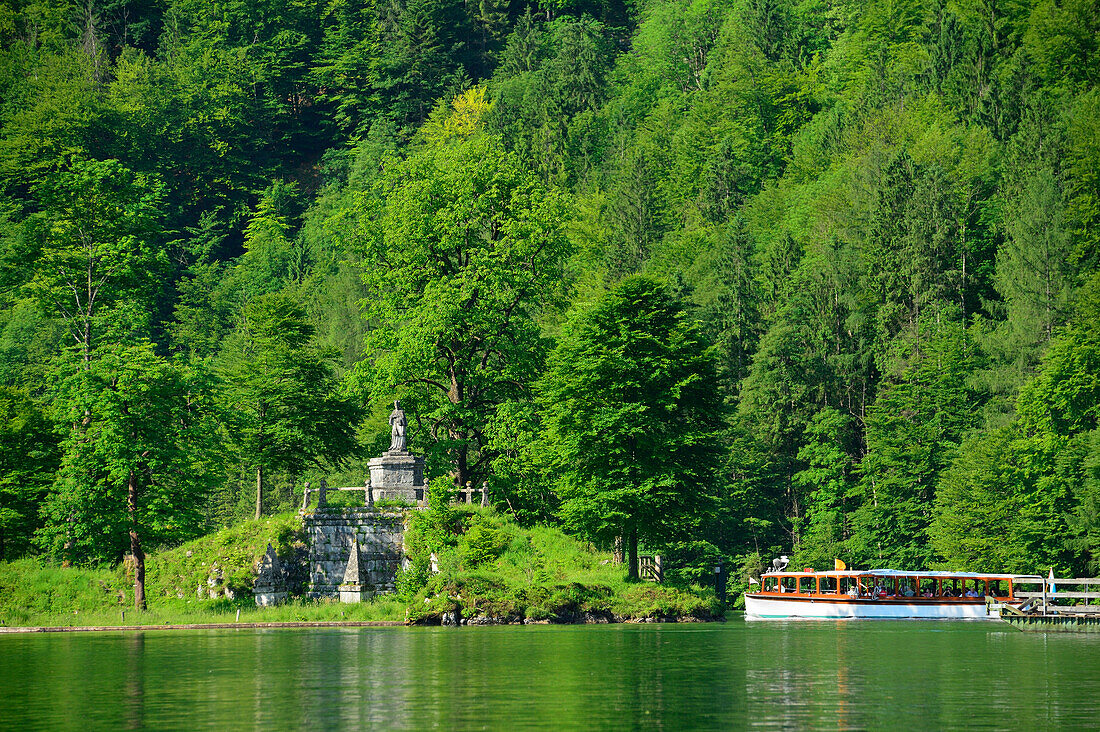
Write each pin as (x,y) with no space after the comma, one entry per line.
(789,584)
(807,585)
(927,587)
(907,587)
(828,585)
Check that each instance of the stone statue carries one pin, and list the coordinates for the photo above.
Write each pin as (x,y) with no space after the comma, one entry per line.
(399,425)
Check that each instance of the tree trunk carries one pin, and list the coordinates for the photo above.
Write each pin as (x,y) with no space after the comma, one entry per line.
(259,490)
(617,550)
(632,550)
(135,544)
(462,465)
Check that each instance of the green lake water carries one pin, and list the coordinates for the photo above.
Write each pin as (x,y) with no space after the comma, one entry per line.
(735,675)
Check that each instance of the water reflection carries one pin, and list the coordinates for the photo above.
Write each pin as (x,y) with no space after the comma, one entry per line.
(848,675)
(134,693)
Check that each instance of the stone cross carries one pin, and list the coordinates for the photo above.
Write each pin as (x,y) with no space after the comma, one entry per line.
(305,497)
(322,494)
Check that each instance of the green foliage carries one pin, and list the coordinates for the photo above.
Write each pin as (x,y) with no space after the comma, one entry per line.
(181,583)
(482,544)
(29,457)
(489,566)
(136,462)
(224,560)
(633,415)
(95,249)
(286,409)
(884,216)
(462,248)
(33,593)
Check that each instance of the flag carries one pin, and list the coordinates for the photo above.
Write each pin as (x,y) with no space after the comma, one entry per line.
(839,566)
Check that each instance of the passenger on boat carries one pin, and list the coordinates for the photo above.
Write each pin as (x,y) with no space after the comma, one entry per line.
(947,592)
(971,593)
(908,591)
(853,591)
(927,593)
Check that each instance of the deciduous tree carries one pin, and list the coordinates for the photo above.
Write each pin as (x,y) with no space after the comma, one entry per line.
(463,247)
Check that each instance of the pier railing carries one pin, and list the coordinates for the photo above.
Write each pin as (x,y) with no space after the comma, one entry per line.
(1055,593)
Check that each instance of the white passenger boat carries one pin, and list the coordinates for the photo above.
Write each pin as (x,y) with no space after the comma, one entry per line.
(881,593)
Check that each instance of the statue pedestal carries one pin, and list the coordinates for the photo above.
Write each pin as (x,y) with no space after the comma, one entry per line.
(397,475)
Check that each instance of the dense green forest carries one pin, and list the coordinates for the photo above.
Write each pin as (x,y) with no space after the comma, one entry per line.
(724,278)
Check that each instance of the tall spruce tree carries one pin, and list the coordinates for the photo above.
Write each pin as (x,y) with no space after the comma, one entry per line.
(633,413)
(285,406)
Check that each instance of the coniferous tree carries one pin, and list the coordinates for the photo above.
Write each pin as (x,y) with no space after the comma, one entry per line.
(284,407)
(633,414)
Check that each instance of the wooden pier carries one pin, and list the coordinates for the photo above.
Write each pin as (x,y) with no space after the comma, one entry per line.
(1050,609)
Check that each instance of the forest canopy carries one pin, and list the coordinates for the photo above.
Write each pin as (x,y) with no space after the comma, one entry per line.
(857,242)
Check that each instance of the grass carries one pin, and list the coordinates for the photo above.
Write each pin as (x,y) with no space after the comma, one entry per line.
(32,593)
(222,564)
(203,581)
(488,567)
(495,568)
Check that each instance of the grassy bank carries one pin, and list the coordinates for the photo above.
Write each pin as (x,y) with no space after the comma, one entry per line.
(492,570)
(489,570)
(203,581)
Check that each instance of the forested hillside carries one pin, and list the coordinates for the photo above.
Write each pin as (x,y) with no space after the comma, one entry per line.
(724,278)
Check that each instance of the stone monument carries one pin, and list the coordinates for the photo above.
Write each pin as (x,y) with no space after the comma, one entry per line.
(351,589)
(398,474)
(270,586)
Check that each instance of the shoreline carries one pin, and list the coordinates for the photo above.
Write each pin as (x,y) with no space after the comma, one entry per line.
(202,626)
(476,621)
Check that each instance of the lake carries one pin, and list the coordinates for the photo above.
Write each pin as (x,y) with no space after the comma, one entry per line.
(766,675)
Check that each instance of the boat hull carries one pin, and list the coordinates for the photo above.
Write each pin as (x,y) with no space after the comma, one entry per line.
(762,607)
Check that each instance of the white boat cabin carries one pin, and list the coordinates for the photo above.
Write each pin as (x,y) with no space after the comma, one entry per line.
(879,593)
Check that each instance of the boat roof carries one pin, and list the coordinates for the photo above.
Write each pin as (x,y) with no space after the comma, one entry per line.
(927,574)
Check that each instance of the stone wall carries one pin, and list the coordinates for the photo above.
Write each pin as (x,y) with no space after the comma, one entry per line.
(329,533)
